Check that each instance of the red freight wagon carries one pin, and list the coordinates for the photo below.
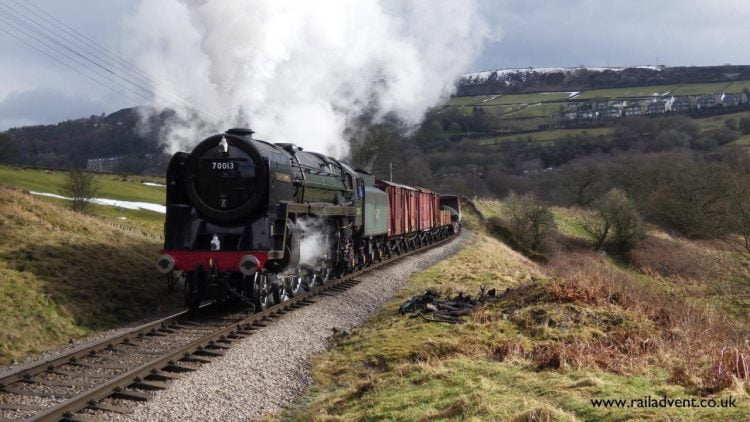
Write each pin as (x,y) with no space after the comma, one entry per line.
(423,210)
(412,209)
(445,218)
(403,207)
(429,209)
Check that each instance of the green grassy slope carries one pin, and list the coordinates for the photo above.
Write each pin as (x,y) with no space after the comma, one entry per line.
(580,328)
(127,188)
(121,187)
(65,275)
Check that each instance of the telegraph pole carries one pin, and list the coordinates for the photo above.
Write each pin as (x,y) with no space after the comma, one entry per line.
(474,170)
(390,167)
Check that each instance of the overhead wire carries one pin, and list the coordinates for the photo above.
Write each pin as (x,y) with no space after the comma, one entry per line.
(141,85)
(66,64)
(93,46)
(57,58)
(128,79)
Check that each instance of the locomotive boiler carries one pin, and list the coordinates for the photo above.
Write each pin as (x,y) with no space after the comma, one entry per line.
(261,222)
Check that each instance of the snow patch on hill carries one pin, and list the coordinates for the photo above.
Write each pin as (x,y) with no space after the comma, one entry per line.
(523,73)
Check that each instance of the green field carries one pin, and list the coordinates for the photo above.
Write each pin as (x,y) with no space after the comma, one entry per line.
(677,89)
(126,188)
(639,91)
(536,110)
(718,121)
(530,98)
(492,100)
(547,135)
(122,187)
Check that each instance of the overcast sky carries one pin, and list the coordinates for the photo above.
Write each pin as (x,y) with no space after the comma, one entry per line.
(537,33)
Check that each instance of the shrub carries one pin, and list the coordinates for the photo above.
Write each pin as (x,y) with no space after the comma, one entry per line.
(616,221)
(81,188)
(530,221)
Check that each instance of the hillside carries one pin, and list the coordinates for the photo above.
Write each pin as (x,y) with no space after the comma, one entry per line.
(64,275)
(587,78)
(120,135)
(583,327)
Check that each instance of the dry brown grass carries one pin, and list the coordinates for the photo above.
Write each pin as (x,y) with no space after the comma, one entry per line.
(652,312)
(705,343)
(677,259)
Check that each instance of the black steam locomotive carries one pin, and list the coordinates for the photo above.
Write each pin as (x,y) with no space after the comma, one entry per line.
(261,222)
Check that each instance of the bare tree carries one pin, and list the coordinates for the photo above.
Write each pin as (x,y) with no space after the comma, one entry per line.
(81,188)
(597,226)
(616,220)
(582,182)
(530,222)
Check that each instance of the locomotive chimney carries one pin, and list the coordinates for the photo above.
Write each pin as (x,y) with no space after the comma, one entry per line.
(245,133)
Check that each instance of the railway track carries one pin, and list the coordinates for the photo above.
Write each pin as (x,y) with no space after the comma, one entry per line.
(105,375)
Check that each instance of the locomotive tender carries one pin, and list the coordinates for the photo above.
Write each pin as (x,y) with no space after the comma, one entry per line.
(261,222)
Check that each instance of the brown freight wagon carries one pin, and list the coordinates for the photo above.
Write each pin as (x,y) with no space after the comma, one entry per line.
(412,209)
(428,208)
(402,201)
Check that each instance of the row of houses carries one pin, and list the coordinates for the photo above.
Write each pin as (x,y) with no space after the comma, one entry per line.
(120,163)
(103,165)
(613,109)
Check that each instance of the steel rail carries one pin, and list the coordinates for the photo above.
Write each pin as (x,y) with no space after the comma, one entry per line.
(235,331)
(37,367)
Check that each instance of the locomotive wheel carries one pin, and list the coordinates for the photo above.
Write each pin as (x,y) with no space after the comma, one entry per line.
(261,293)
(323,275)
(310,280)
(294,285)
(278,290)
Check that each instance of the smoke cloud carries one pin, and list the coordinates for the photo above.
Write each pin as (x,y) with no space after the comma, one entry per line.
(313,245)
(300,71)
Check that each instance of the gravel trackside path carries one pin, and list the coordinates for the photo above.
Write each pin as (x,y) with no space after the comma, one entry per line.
(269,370)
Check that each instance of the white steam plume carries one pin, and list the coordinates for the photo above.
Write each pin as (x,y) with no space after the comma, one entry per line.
(313,245)
(299,70)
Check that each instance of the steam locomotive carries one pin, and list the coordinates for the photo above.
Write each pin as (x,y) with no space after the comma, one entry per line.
(259,222)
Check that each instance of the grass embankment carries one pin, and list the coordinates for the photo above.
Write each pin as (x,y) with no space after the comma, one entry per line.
(583,327)
(64,275)
(110,186)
